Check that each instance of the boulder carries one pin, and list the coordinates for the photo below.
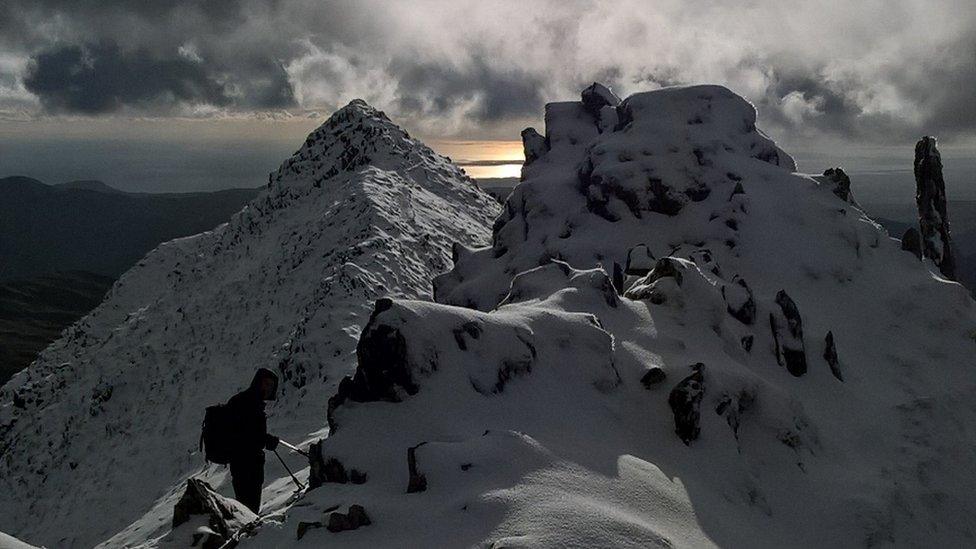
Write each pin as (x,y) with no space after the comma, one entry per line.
(685,401)
(653,376)
(225,516)
(933,219)
(840,183)
(353,519)
(597,96)
(787,329)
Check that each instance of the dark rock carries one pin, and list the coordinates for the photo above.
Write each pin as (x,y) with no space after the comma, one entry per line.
(664,200)
(322,470)
(383,374)
(357,477)
(787,329)
(732,406)
(739,301)
(597,96)
(737,190)
(830,355)
(226,517)
(652,376)
(418,481)
(685,401)
(933,219)
(746,342)
(304,527)
(841,184)
(533,145)
(911,241)
(355,518)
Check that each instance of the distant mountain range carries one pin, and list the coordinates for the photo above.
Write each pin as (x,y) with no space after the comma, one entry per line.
(62,246)
(34,311)
(91,226)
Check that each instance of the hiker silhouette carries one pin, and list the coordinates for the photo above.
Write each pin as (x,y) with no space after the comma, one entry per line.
(250,438)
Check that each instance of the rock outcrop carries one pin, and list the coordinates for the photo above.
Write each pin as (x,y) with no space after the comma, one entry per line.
(933,219)
(685,401)
(840,184)
(225,517)
(787,329)
(533,145)
(354,518)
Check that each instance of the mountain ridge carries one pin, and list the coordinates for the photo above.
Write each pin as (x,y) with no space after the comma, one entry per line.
(179,332)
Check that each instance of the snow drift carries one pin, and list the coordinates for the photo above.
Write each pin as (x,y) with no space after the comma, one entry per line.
(99,435)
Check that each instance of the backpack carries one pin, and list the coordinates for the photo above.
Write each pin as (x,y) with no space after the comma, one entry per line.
(216,438)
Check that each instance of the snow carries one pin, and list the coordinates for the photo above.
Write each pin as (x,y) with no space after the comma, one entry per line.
(562,455)
(109,427)
(10,542)
(519,409)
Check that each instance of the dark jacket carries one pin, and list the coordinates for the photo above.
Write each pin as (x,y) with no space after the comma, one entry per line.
(251,436)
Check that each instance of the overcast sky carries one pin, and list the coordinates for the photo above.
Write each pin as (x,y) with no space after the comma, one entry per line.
(865,73)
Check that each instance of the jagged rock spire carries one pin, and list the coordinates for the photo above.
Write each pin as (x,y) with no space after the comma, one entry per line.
(933,220)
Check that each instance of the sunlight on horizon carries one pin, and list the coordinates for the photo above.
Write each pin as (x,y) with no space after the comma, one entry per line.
(484,159)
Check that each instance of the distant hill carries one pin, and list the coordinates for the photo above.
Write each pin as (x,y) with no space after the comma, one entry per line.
(89,185)
(34,311)
(90,226)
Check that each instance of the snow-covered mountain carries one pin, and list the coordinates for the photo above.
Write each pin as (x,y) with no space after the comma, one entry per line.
(98,436)
(673,341)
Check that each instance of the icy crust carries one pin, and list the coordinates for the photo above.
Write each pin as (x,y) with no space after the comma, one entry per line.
(108,417)
(788,376)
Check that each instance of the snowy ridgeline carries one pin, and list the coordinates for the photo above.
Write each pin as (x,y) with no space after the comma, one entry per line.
(672,341)
(103,428)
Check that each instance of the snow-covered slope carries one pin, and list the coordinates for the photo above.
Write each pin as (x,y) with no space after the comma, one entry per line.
(768,369)
(99,435)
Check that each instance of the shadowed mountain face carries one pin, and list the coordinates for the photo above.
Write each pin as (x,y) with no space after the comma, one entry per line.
(62,246)
(92,227)
(34,311)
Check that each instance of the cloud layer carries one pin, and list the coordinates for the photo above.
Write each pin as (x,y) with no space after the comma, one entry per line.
(875,71)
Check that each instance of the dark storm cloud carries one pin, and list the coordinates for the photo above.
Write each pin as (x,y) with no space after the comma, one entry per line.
(485,93)
(868,70)
(100,78)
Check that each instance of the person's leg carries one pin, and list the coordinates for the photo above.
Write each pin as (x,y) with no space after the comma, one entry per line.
(248,480)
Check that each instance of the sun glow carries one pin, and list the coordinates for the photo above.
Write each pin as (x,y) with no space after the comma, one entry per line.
(484,159)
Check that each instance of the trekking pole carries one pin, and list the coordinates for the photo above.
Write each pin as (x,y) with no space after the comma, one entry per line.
(300,485)
(293,448)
